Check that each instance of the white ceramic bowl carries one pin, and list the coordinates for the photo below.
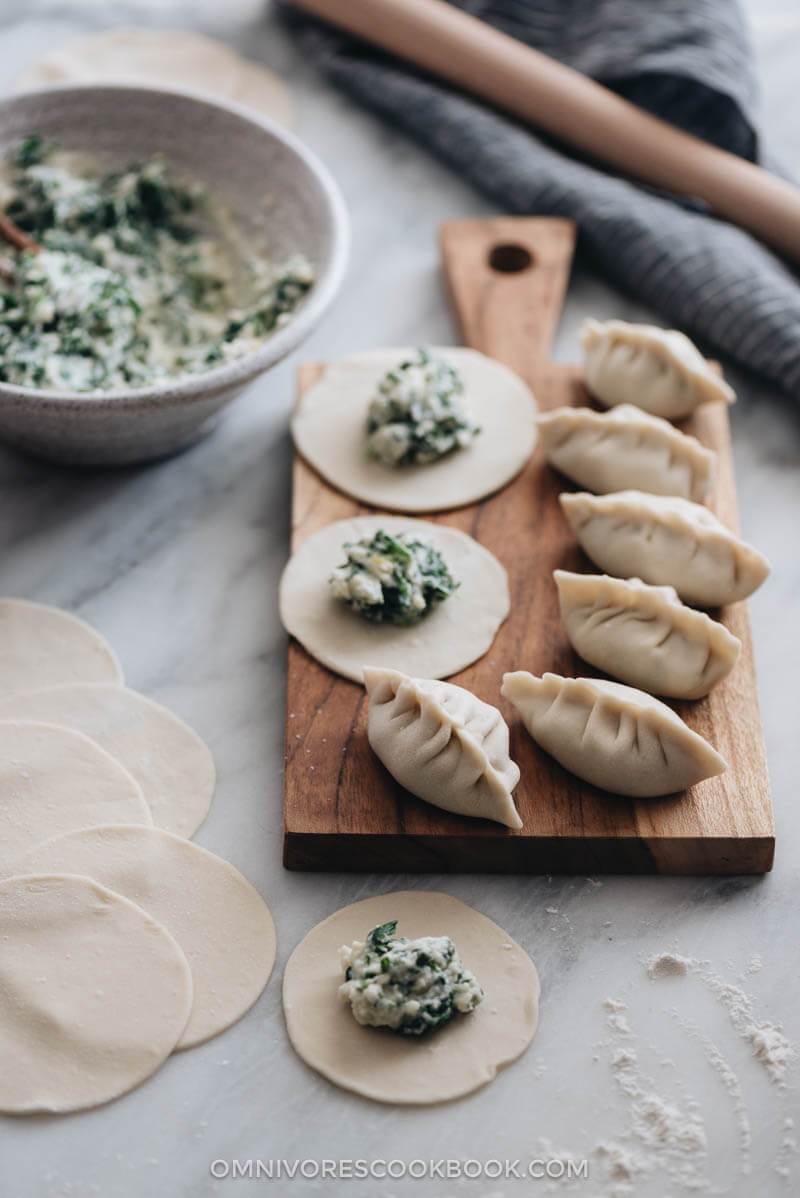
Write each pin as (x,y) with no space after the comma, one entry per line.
(267,179)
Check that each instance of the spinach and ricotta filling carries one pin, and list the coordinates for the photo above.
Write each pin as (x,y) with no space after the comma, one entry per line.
(411,986)
(139,279)
(392,579)
(418,414)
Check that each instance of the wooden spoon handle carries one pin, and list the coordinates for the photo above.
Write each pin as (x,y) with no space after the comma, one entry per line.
(568,105)
(507,277)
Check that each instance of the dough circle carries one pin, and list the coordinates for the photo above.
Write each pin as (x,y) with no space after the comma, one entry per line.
(166,757)
(221,922)
(53,780)
(94,994)
(44,646)
(452,635)
(329,431)
(169,57)
(381,1064)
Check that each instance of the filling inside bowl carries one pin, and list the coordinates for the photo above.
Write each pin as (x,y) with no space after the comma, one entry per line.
(135,277)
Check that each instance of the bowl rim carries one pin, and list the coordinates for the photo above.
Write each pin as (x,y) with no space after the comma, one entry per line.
(236,373)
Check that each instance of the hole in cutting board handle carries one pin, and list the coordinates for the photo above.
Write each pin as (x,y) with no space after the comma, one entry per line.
(510,259)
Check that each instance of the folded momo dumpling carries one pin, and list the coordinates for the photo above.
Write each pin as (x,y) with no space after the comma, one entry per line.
(625,448)
(613,736)
(666,541)
(644,635)
(443,744)
(659,370)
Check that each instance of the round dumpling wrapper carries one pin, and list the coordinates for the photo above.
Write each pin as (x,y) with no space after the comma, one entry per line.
(454,633)
(166,757)
(452,1061)
(169,57)
(224,929)
(329,430)
(94,994)
(54,780)
(44,646)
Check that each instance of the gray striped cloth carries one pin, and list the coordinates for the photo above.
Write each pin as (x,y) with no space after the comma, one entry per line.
(687,61)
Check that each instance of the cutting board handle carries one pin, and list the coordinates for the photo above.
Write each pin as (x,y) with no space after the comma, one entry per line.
(507,277)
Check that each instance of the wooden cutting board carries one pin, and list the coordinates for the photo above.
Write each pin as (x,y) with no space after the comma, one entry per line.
(507,278)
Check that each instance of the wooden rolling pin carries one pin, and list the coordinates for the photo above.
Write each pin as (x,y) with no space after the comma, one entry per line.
(568,105)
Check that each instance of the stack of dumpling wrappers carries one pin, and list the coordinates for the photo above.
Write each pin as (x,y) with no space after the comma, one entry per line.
(122,940)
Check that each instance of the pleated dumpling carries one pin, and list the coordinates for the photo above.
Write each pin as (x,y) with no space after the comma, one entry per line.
(666,541)
(644,635)
(623,449)
(659,370)
(443,744)
(618,738)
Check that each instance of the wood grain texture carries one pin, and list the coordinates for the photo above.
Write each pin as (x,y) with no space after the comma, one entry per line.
(342,809)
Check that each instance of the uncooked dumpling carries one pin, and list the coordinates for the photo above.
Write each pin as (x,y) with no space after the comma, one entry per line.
(618,738)
(53,780)
(455,633)
(44,646)
(625,448)
(380,1064)
(329,430)
(94,994)
(659,370)
(169,761)
(220,921)
(443,744)
(644,635)
(668,542)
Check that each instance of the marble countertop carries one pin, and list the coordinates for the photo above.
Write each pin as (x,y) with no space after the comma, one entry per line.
(177,564)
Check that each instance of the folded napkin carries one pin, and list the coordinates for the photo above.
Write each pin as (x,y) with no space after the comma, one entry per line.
(687,61)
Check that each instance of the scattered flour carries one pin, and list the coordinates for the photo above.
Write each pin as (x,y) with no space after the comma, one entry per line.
(730,1081)
(616,1020)
(769,1045)
(663,965)
(788,1149)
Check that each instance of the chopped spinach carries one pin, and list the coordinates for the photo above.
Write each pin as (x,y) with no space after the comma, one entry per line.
(392,579)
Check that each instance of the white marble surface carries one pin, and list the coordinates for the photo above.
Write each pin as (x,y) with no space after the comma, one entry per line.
(177,564)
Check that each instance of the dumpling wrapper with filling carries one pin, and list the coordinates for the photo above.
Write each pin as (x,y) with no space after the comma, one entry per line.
(449,637)
(666,541)
(456,1059)
(616,737)
(644,635)
(443,744)
(329,430)
(659,370)
(625,448)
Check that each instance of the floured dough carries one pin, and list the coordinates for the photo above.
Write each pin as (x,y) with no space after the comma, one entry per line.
(44,646)
(53,780)
(455,633)
(169,761)
(380,1064)
(329,431)
(94,994)
(170,57)
(220,921)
